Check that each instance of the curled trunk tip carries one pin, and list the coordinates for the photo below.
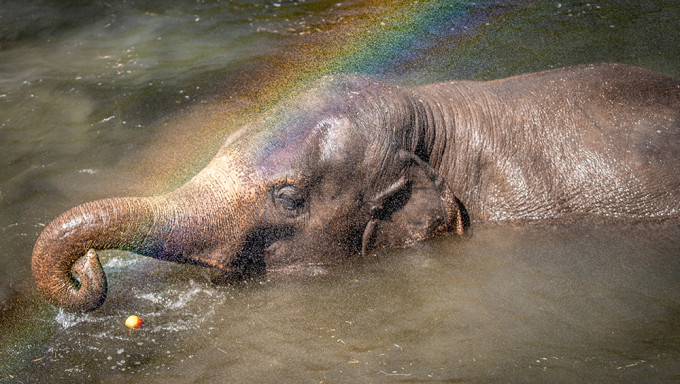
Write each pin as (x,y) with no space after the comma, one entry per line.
(75,284)
(65,264)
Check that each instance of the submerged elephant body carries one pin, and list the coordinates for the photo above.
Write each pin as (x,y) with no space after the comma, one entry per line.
(350,165)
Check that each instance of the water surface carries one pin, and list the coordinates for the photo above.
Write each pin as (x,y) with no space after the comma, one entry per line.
(102,99)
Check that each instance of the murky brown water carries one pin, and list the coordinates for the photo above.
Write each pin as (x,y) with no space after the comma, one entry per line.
(560,304)
(102,99)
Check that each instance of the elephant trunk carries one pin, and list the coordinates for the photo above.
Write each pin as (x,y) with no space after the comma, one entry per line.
(65,265)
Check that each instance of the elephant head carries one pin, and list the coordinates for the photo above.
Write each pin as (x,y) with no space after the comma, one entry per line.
(330,173)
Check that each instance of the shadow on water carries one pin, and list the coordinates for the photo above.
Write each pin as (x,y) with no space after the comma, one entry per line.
(112,98)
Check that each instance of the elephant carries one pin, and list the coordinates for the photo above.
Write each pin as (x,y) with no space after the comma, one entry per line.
(348,165)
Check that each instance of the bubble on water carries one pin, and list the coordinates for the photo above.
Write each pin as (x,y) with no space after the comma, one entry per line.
(152,297)
(187,296)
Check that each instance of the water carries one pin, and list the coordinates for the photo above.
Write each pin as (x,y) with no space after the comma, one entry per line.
(110,98)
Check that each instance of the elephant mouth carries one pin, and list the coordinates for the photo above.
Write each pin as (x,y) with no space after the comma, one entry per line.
(272,251)
(276,250)
(261,249)
(280,262)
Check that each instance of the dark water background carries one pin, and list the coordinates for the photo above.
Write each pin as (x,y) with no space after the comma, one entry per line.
(102,99)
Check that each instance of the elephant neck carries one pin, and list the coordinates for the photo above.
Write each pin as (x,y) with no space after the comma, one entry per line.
(438,116)
(457,129)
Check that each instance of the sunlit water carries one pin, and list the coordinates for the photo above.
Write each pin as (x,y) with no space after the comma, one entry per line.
(110,99)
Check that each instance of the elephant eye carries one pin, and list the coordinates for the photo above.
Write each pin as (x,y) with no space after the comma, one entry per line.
(290,199)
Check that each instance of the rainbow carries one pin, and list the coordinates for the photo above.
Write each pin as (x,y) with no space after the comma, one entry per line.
(373,44)
(376,38)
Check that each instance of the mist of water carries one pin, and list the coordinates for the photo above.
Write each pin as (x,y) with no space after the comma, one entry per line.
(105,98)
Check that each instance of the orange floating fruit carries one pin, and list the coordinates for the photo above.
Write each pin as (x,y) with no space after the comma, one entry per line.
(133,322)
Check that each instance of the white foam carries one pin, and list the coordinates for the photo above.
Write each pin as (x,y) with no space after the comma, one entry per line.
(67,320)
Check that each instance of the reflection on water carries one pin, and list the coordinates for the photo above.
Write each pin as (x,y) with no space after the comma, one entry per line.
(511,303)
(110,98)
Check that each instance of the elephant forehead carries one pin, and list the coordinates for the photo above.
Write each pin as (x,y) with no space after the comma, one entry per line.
(301,151)
(334,138)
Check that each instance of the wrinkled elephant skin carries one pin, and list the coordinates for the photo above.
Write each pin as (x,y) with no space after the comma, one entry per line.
(350,165)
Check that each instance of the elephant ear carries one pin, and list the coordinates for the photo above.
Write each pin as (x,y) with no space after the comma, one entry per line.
(417,206)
